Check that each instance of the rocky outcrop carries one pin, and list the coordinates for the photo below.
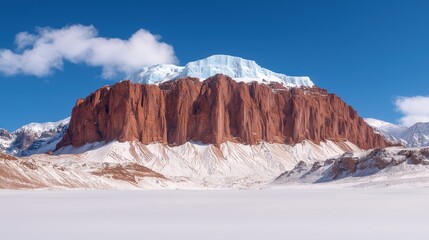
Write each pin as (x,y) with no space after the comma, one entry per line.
(216,110)
(346,164)
(5,135)
(4,156)
(126,172)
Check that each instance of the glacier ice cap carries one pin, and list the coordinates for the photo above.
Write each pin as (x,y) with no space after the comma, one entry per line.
(239,69)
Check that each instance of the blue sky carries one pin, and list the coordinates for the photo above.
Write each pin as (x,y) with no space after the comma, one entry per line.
(367,52)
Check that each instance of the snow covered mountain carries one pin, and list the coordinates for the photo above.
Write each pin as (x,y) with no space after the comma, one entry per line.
(235,67)
(33,138)
(214,133)
(390,131)
(414,136)
(388,127)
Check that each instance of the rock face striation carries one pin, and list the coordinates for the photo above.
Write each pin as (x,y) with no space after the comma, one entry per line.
(213,111)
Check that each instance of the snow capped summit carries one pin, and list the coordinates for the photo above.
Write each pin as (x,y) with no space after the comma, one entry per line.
(387,127)
(156,74)
(417,135)
(239,69)
(39,128)
(389,131)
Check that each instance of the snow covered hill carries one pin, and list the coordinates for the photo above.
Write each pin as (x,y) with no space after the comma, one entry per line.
(235,67)
(33,138)
(414,136)
(131,165)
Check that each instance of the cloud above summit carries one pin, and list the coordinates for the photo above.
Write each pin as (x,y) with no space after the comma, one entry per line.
(415,109)
(41,53)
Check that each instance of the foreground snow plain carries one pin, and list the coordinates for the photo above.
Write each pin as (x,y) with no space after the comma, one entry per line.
(304,212)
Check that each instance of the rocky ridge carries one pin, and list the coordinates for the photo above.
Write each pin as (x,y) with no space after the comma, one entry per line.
(392,163)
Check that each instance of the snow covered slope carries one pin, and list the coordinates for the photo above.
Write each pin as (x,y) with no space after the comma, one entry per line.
(132,165)
(384,126)
(235,67)
(390,131)
(414,136)
(33,138)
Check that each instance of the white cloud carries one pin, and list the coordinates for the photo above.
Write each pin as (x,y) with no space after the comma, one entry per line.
(415,109)
(41,53)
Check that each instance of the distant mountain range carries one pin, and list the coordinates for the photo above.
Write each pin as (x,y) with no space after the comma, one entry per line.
(415,136)
(33,138)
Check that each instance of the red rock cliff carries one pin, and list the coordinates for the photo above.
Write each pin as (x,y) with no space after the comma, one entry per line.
(214,111)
